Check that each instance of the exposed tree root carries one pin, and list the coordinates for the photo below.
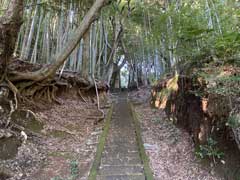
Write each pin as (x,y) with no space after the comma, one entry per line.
(98,104)
(32,93)
(5,83)
(80,94)
(29,91)
(101,118)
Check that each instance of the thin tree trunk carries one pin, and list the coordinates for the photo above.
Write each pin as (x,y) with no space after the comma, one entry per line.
(60,31)
(26,33)
(80,55)
(34,54)
(31,32)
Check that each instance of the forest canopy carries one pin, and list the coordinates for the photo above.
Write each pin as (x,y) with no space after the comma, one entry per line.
(154,37)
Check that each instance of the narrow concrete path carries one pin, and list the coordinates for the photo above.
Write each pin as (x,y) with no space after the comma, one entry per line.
(121,159)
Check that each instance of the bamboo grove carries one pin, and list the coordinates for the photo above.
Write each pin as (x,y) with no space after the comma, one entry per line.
(148,37)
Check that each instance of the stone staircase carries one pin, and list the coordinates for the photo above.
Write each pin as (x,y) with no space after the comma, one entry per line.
(121,159)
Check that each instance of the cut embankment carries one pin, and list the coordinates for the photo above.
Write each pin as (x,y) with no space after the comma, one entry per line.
(206,105)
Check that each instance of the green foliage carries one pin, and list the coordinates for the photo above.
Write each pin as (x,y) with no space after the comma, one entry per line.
(74,169)
(74,172)
(209,150)
(192,30)
(233,121)
(228,44)
(57,178)
(156,120)
(226,85)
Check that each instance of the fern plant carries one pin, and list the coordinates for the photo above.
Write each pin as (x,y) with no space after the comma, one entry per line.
(209,150)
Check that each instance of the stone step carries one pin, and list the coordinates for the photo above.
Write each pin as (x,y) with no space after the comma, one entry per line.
(131,150)
(122,142)
(121,177)
(128,152)
(131,147)
(127,132)
(122,148)
(121,155)
(118,124)
(121,161)
(107,170)
(122,138)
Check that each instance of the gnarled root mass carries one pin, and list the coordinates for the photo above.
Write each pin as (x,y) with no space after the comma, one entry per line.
(48,88)
(29,92)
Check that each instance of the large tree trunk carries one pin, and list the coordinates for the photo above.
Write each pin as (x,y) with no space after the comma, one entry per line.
(62,56)
(10,24)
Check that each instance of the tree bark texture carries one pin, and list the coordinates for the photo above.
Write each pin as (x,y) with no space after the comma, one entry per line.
(10,24)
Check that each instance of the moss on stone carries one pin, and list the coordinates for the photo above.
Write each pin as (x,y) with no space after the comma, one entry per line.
(27,119)
(100,148)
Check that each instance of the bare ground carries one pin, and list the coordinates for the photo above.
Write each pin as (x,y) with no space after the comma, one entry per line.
(64,149)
